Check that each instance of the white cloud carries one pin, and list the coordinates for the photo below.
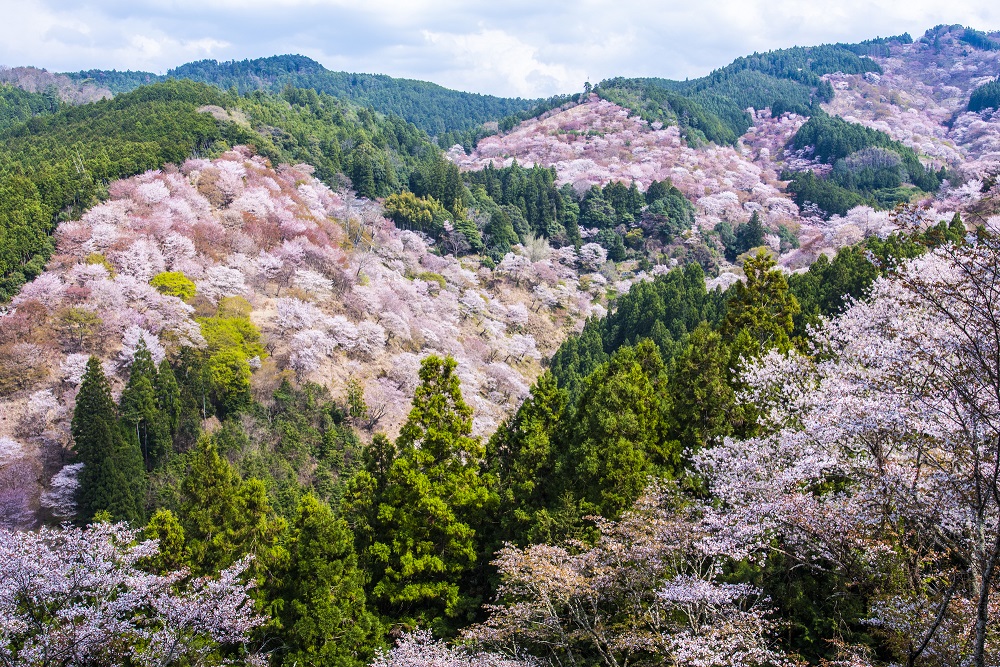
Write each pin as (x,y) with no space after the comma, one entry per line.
(498,61)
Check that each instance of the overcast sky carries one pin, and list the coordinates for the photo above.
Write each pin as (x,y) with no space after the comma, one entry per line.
(525,48)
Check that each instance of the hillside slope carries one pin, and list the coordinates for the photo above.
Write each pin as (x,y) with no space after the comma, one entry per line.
(433,108)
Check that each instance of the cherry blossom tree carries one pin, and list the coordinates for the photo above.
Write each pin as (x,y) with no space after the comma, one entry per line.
(647,592)
(901,405)
(420,649)
(78,596)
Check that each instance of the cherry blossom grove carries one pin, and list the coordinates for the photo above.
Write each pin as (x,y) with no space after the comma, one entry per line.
(901,404)
(338,293)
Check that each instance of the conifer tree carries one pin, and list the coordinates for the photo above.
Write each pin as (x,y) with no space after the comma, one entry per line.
(322,613)
(168,532)
(112,479)
(225,518)
(702,401)
(425,548)
(168,397)
(617,437)
(521,457)
(760,313)
(139,409)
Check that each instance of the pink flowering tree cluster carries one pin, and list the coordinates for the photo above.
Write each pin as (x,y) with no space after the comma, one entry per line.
(881,455)
(72,596)
(420,649)
(648,592)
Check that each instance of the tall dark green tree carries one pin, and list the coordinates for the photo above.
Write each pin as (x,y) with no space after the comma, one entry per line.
(617,437)
(425,554)
(113,479)
(321,600)
(761,309)
(168,396)
(521,458)
(139,409)
(225,518)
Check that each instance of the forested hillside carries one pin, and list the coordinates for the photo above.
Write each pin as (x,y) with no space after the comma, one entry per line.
(430,107)
(54,167)
(695,373)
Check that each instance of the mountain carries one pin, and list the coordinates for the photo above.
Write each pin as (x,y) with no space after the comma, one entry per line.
(662,373)
(430,107)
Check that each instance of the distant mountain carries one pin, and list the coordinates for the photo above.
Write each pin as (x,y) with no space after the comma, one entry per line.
(433,108)
(714,107)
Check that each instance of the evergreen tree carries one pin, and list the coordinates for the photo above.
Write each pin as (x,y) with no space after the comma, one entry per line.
(168,397)
(225,518)
(617,437)
(139,408)
(425,548)
(321,600)
(760,312)
(521,457)
(701,397)
(168,532)
(113,479)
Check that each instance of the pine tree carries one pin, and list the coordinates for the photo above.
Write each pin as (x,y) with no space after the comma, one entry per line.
(168,532)
(322,613)
(225,518)
(701,398)
(113,479)
(140,411)
(760,313)
(425,547)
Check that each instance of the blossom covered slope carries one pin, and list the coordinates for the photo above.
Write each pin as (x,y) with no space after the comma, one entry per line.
(337,292)
(920,100)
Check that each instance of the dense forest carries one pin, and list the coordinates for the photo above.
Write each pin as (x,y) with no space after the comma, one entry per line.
(54,167)
(430,107)
(714,107)
(869,167)
(795,462)
(987,96)
(352,544)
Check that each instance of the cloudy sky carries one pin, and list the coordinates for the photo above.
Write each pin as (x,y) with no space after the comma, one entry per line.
(523,48)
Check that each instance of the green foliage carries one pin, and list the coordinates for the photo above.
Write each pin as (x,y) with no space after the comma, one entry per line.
(18,105)
(745,237)
(112,479)
(760,310)
(174,283)
(664,310)
(547,210)
(521,457)
(669,211)
(424,214)
(979,40)
(144,419)
(701,398)
(164,527)
(319,596)
(616,438)
(232,341)
(417,508)
(869,167)
(430,107)
(225,518)
(986,96)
